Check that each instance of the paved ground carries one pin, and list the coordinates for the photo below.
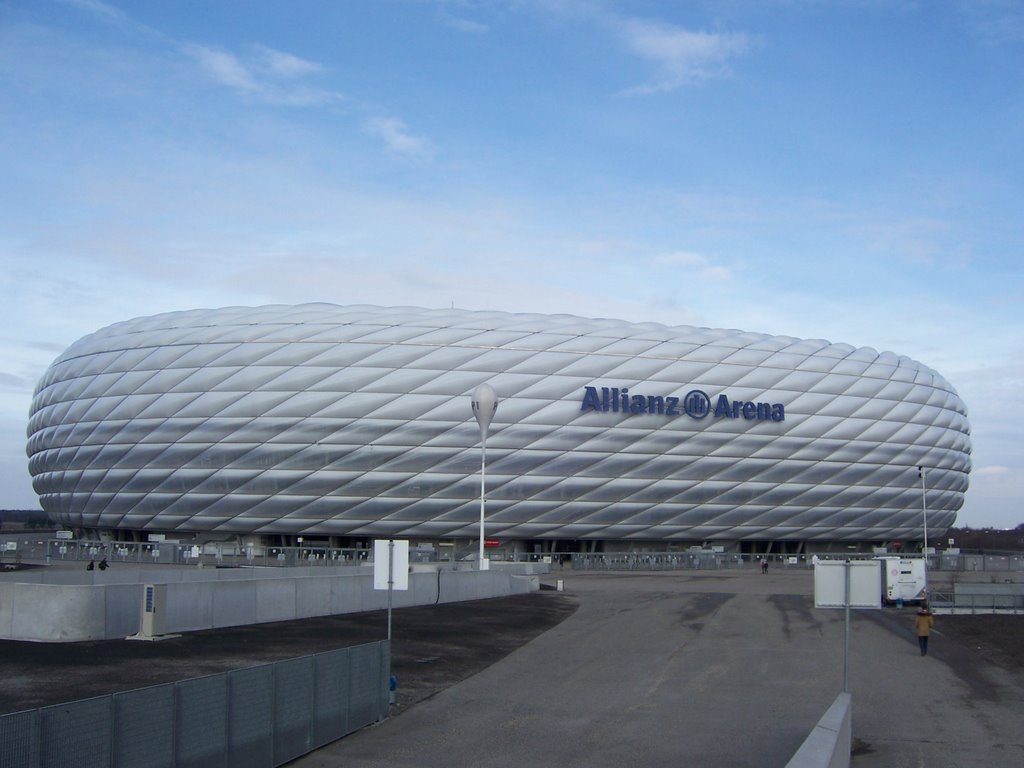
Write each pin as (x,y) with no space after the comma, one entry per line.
(723,669)
(727,668)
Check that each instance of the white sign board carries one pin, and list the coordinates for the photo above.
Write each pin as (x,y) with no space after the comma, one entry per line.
(830,584)
(398,573)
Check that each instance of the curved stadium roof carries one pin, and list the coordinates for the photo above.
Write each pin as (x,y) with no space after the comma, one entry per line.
(356,420)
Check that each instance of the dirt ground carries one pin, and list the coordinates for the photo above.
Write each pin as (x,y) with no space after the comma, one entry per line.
(999,639)
(433,647)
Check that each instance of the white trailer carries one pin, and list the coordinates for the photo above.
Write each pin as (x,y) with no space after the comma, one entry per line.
(903,579)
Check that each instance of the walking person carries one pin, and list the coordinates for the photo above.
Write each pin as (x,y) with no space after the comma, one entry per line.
(923,622)
(764,565)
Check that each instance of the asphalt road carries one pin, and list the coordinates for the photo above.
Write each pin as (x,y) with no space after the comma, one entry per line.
(724,669)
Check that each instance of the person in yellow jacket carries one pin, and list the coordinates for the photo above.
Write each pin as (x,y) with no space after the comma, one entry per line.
(924,621)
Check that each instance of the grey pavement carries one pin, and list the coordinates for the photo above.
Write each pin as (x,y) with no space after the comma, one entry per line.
(729,668)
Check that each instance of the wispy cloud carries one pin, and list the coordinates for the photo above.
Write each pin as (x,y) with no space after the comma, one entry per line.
(682,56)
(285,64)
(267,74)
(695,262)
(223,67)
(12,383)
(461,24)
(398,139)
(995,22)
(994,473)
(97,8)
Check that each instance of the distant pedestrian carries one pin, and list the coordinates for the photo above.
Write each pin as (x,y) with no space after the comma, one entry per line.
(103,564)
(764,565)
(91,566)
(923,622)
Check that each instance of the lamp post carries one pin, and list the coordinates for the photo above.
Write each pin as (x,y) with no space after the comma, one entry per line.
(924,517)
(485,404)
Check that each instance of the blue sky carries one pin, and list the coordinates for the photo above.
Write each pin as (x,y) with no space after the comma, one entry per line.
(847,170)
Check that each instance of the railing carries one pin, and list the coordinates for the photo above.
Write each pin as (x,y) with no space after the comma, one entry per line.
(42,548)
(176,553)
(260,717)
(657,561)
(959,602)
(976,562)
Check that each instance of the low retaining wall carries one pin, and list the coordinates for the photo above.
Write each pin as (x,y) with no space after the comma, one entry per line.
(828,745)
(76,612)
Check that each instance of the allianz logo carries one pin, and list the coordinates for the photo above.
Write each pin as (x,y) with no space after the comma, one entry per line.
(696,404)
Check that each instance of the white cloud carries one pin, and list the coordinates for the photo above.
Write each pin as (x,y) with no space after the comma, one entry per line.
(995,22)
(223,67)
(994,473)
(268,75)
(695,262)
(682,56)
(464,25)
(397,138)
(286,64)
(97,8)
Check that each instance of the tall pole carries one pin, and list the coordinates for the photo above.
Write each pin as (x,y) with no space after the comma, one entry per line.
(846,635)
(485,405)
(391,581)
(483,493)
(924,516)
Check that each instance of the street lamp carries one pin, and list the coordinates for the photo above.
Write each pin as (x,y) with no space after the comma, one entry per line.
(485,404)
(924,516)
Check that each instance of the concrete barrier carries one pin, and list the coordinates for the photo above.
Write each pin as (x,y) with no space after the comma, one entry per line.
(828,745)
(55,612)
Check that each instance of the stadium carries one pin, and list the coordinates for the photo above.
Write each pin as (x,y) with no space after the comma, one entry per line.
(348,423)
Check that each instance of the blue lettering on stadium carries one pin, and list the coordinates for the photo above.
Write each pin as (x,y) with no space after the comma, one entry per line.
(696,404)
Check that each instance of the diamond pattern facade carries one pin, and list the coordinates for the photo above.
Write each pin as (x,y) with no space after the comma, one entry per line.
(356,421)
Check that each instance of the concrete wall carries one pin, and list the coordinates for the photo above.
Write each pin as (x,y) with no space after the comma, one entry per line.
(828,745)
(68,613)
(106,611)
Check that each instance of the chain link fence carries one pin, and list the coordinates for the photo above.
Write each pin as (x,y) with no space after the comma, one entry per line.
(259,717)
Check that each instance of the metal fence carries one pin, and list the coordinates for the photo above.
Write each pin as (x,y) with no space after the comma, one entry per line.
(704,560)
(988,562)
(16,548)
(656,561)
(259,717)
(981,602)
(49,550)
(22,547)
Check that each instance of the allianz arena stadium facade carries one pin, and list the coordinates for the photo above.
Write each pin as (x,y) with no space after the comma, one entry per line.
(354,422)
